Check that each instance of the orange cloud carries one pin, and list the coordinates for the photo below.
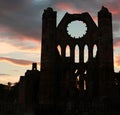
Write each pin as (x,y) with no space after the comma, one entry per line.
(16,41)
(24,44)
(7,48)
(6,79)
(117,62)
(35,44)
(67,7)
(19,62)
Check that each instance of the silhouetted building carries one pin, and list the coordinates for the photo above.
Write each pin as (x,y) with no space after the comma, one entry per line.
(28,89)
(62,77)
(66,84)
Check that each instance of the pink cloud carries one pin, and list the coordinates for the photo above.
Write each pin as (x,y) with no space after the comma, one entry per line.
(10,42)
(67,7)
(116,42)
(26,38)
(19,62)
(114,8)
(6,32)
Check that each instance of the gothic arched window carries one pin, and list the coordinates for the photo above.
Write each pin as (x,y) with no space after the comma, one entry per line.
(86,53)
(67,51)
(77,54)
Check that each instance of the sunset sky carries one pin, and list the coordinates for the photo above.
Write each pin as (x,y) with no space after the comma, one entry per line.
(20,31)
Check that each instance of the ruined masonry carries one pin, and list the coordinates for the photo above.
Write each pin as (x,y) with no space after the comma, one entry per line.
(77,72)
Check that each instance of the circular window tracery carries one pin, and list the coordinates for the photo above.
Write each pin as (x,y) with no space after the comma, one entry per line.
(77,29)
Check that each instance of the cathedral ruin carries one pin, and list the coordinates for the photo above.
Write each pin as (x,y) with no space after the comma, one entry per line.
(63,80)
(69,82)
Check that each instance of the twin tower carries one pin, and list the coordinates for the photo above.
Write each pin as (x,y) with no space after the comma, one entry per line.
(62,77)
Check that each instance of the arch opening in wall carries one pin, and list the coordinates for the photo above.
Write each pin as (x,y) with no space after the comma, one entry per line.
(59,49)
(86,53)
(78,82)
(67,51)
(85,72)
(77,29)
(85,85)
(77,54)
(95,51)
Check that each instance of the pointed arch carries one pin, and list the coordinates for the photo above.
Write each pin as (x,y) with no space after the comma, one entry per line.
(86,53)
(67,51)
(77,54)
(85,87)
(94,50)
(59,49)
(78,82)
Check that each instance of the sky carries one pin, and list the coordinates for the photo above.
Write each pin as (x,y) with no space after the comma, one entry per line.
(20,31)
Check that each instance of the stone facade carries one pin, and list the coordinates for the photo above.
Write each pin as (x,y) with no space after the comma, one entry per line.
(64,85)
(60,73)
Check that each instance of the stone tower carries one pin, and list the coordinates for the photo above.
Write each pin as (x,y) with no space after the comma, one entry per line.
(49,57)
(105,52)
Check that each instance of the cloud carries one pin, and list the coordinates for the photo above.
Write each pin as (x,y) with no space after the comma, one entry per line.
(21,16)
(80,5)
(114,8)
(116,42)
(26,47)
(5,78)
(69,7)
(10,42)
(2,74)
(12,4)
(22,19)
(26,44)
(116,26)
(24,16)
(94,7)
(117,61)
(18,62)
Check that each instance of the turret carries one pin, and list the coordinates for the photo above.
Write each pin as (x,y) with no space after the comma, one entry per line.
(48,59)
(106,38)
(34,66)
(48,39)
(105,51)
